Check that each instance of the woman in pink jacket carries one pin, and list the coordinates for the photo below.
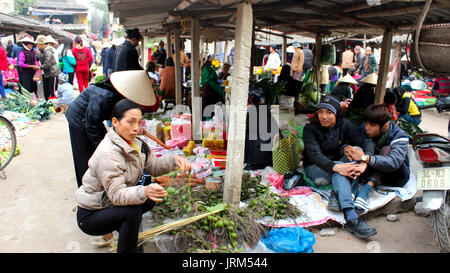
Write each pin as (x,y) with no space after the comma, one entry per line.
(11,78)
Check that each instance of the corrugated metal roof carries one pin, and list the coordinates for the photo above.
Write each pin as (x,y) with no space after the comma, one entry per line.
(17,23)
(289,16)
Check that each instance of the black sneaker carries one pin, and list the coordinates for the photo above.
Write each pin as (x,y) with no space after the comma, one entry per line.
(333,203)
(360,228)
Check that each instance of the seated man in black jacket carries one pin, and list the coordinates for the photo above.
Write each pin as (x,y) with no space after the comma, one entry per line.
(324,140)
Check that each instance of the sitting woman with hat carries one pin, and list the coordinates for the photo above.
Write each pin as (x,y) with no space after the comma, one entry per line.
(27,65)
(366,93)
(110,199)
(345,88)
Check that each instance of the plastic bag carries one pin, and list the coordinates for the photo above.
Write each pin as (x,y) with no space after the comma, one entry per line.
(289,240)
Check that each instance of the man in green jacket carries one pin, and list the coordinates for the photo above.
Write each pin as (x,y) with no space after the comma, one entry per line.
(368,64)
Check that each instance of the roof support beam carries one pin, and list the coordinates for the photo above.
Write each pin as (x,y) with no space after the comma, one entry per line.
(380,90)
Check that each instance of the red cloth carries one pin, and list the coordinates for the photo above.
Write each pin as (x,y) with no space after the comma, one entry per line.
(3,59)
(83,57)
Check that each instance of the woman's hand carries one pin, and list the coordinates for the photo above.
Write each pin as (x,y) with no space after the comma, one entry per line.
(183,163)
(155,192)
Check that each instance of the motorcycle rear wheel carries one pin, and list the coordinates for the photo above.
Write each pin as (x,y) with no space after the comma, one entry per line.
(441,225)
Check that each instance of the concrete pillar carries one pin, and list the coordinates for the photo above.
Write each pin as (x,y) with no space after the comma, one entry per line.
(178,83)
(383,70)
(238,107)
(195,79)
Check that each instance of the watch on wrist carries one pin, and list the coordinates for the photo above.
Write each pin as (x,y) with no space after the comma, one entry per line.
(365,158)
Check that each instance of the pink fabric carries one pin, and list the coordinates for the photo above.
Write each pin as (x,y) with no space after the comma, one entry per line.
(277,180)
(7,74)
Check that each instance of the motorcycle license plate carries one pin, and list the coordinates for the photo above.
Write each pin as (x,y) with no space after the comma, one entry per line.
(433,179)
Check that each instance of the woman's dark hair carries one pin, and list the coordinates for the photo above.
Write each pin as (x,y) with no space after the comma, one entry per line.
(285,73)
(151,66)
(390,97)
(133,33)
(78,40)
(377,114)
(169,62)
(122,106)
(68,44)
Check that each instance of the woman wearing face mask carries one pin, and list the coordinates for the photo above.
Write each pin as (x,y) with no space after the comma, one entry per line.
(326,139)
(110,199)
(28,64)
(127,57)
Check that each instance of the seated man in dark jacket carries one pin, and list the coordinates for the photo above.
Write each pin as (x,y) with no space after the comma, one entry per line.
(389,164)
(324,141)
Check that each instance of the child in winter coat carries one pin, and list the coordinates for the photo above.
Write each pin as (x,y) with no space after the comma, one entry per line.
(64,94)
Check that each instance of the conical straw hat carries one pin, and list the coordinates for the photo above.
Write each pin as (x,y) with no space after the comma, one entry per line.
(50,39)
(348,79)
(25,40)
(134,85)
(371,79)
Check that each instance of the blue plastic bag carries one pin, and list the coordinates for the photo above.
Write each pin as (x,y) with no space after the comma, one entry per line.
(289,240)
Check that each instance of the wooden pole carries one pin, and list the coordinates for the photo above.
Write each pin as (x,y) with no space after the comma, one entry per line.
(284,50)
(386,45)
(317,60)
(238,107)
(178,83)
(398,75)
(195,79)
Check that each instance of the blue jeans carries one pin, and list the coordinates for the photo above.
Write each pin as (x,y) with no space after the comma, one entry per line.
(342,185)
(2,88)
(413,120)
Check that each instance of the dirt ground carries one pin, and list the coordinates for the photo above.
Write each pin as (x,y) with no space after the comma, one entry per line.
(37,212)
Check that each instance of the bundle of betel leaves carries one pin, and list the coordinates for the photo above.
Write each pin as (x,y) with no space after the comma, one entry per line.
(228,230)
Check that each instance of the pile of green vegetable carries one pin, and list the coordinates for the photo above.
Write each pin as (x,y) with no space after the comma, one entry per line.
(230,229)
(21,103)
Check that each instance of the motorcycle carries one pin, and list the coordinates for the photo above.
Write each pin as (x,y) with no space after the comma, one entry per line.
(433,151)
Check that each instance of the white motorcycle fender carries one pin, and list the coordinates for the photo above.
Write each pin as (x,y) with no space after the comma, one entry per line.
(433,200)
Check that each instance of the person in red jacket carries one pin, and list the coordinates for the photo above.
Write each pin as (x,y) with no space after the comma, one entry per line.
(83,56)
(3,67)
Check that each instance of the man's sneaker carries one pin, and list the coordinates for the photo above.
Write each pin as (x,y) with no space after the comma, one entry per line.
(361,205)
(333,203)
(359,228)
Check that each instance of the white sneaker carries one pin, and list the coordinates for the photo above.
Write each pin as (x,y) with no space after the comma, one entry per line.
(101,242)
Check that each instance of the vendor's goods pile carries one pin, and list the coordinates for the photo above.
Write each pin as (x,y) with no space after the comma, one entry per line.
(231,228)
(27,104)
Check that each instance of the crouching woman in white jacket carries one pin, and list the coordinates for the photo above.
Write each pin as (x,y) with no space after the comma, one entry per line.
(110,199)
